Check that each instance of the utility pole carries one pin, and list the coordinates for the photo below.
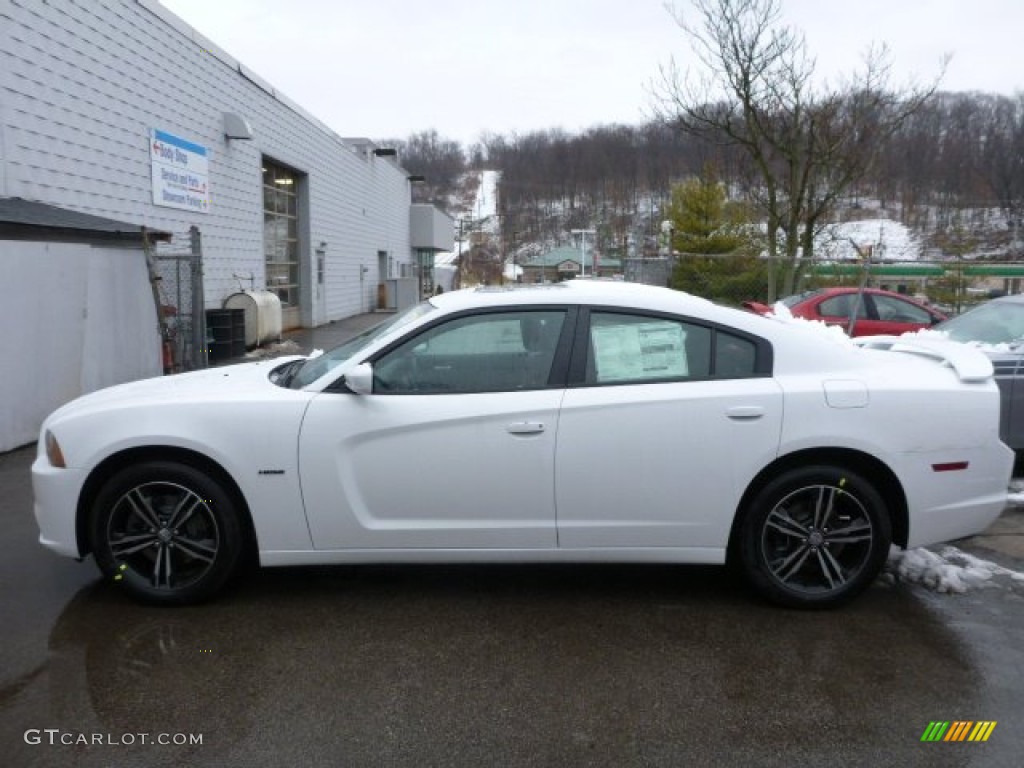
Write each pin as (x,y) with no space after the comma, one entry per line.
(583,249)
(458,258)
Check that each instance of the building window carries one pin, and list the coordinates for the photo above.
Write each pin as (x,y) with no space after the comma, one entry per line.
(281,232)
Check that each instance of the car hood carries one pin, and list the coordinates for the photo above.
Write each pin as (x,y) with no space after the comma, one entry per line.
(222,383)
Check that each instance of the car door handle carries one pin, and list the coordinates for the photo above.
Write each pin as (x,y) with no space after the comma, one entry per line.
(745,412)
(524,428)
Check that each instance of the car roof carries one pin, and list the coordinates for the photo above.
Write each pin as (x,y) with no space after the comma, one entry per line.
(856,289)
(600,292)
(576,291)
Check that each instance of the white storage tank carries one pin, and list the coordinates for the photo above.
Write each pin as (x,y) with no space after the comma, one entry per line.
(262,315)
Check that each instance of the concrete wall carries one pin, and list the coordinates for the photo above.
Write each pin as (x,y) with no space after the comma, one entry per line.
(75,318)
(83,83)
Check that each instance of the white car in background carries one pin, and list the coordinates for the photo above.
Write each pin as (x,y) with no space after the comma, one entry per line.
(584,421)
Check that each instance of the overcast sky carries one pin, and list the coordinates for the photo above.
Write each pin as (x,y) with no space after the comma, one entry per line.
(390,68)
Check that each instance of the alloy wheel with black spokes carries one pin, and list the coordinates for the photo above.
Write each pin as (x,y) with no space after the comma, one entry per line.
(166,532)
(815,537)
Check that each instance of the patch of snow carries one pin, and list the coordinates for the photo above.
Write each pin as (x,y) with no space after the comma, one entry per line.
(888,239)
(950,571)
(834,333)
(286,347)
(485,204)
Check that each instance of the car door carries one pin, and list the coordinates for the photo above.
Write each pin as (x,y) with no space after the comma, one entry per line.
(661,430)
(453,448)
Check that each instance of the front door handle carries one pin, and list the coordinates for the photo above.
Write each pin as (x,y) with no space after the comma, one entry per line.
(524,428)
(745,412)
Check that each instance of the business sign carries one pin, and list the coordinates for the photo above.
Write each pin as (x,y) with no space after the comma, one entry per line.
(180,173)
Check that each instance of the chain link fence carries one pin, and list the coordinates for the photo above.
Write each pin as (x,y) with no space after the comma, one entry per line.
(950,286)
(177,280)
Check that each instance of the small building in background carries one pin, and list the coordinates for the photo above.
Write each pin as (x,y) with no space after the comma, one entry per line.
(565,263)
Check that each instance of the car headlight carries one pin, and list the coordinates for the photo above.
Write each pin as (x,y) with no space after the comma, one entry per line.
(53,451)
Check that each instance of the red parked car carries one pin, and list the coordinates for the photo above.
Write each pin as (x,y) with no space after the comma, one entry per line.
(873,312)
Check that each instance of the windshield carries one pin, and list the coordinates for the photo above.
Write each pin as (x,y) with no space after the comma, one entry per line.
(998,322)
(315,367)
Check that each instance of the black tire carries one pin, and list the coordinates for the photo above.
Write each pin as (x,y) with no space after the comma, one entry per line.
(814,537)
(165,532)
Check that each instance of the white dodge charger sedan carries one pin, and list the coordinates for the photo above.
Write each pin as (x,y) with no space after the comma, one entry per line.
(585,421)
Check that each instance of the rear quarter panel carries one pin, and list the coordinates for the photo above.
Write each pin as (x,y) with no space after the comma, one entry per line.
(918,418)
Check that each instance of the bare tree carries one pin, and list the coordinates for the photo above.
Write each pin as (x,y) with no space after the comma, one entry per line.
(441,161)
(1002,162)
(805,144)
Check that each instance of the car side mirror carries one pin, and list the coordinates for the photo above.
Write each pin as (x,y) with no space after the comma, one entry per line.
(359,380)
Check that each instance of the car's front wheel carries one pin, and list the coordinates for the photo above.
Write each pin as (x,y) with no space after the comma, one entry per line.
(814,537)
(166,532)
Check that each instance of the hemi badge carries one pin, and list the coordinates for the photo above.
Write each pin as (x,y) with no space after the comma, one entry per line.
(271,471)
(953,466)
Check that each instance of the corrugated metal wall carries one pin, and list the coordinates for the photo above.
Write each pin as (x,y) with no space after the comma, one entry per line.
(75,319)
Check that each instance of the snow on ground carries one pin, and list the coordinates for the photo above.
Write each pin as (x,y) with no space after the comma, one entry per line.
(1016,497)
(950,570)
(485,205)
(887,238)
(286,347)
(481,214)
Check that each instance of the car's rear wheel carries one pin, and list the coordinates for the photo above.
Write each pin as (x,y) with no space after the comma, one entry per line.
(166,532)
(814,537)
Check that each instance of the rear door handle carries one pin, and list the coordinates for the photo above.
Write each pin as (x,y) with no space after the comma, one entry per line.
(745,412)
(524,428)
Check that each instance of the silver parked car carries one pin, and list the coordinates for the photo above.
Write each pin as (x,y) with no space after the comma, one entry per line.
(998,325)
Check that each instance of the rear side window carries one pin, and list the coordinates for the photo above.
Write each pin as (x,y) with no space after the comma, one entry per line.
(633,349)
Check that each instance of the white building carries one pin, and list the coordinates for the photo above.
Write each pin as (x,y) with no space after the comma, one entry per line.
(117,108)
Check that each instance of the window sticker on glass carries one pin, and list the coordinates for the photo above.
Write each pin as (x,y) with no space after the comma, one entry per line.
(639,351)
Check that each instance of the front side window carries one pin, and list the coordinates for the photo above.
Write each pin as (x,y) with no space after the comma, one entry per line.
(895,310)
(492,352)
(634,349)
(843,306)
(314,367)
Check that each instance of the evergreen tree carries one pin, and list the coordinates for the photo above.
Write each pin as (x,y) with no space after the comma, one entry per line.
(714,242)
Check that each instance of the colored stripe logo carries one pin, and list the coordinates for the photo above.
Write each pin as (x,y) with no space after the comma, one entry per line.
(958,730)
